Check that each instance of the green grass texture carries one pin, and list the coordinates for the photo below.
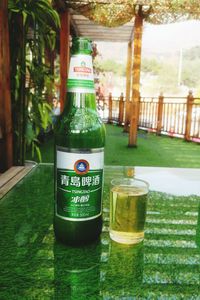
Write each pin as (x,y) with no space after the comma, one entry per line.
(151,150)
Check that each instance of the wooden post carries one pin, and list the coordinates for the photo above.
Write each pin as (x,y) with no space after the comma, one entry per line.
(160,113)
(190,100)
(121,109)
(64,54)
(110,108)
(128,86)
(138,26)
(6,143)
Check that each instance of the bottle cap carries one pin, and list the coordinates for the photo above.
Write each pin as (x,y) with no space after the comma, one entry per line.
(81,45)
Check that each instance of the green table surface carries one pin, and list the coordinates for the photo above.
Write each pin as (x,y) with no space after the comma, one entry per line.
(165,266)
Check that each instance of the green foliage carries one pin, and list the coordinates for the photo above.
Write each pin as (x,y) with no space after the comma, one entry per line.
(33,27)
(190,73)
(192,54)
(110,65)
(40,12)
(166,71)
(168,76)
(151,66)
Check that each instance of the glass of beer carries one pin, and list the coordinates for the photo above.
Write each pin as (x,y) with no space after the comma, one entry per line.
(128,203)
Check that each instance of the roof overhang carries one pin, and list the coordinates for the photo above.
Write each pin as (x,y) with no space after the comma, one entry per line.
(85,27)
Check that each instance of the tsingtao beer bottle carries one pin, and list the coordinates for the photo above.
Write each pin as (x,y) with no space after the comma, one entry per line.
(79,154)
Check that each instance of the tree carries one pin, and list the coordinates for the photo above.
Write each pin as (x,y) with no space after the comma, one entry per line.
(151,66)
(110,65)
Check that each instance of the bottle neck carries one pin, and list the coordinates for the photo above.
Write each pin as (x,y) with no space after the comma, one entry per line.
(81,77)
(81,100)
(80,84)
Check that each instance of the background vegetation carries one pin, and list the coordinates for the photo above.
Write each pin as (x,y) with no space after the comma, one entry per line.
(170,73)
(32,26)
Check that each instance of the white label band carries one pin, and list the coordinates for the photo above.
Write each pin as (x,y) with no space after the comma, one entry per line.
(81,77)
(66,160)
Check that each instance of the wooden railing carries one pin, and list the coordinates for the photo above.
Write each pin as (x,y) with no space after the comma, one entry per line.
(173,116)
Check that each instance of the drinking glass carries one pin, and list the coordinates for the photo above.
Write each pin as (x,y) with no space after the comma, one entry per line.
(128,204)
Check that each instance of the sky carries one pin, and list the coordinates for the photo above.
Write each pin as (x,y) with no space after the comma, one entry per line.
(172,36)
(157,39)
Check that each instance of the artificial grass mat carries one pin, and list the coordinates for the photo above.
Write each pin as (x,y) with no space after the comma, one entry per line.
(34,266)
(151,150)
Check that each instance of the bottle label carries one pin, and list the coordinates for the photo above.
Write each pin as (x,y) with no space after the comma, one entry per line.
(79,178)
(81,77)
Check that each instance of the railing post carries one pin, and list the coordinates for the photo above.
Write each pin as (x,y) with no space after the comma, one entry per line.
(139,106)
(121,109)
(160,113)
(190,100)
(110,108)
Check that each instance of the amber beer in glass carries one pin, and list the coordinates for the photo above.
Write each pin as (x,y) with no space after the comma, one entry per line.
(79,154)
(128,202)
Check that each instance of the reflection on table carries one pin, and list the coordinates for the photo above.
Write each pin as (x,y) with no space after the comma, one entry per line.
(165,266)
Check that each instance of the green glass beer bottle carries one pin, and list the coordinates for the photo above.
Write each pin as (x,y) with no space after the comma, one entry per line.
(79,154)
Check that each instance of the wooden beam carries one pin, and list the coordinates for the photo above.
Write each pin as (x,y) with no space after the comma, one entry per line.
(106,36)
(138,26)
(6,143)
(11,177)
(86,21)
(121,109)
(64,54)
(128,85)
(97,27)
(104,31)
(108,39)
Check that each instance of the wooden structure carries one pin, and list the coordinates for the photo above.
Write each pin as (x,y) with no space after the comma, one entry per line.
(6,151)
(121,109)
(138,24)
(130,14)
(160,114)
(124,22)
(128,85)
(172,116)
(131,33)
(64,53)
(190,101)
(9,178)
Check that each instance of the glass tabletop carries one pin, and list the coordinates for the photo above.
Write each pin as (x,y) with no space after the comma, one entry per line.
(165,266)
